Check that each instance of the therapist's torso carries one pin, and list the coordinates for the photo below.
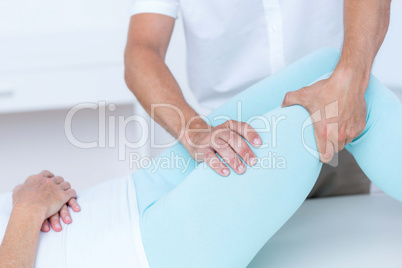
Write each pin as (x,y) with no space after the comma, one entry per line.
(233,44)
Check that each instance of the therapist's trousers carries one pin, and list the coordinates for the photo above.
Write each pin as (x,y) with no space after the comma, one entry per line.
(193,217)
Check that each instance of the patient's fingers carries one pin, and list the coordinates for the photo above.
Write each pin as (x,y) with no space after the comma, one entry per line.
(65,185)
(47,174)
(71,193)
(55,222)
(65,214)
(74,205)
(45,226)
(17,187)
(58,179)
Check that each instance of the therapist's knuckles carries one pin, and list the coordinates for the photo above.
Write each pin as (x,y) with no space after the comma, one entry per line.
(246,131)
(226,141)
(231,147)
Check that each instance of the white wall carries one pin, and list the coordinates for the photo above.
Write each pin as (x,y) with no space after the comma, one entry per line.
(31,142)
(54,55)
(21,17)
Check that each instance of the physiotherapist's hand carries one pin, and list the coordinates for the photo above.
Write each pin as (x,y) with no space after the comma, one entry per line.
(43,193)
(337,108)
(205,142)
(45,181)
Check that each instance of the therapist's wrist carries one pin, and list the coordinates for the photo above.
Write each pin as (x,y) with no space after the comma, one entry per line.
(193,127)
(352,78)
(353,70)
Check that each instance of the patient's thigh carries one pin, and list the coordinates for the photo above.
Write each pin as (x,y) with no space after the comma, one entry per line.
(378,149)
(258,99)
(214,221)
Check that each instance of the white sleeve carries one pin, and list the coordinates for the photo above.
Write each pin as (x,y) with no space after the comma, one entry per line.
(164,7)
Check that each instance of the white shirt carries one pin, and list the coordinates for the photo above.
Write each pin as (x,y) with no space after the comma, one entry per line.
(105,233)
(231,44)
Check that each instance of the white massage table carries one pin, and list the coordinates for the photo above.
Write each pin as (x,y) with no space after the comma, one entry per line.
(355,231)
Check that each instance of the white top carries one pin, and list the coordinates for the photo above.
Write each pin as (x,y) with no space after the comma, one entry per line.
(233,44)
(105,233)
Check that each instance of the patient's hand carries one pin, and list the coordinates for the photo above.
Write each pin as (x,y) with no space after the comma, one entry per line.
(40,197)
(47,191)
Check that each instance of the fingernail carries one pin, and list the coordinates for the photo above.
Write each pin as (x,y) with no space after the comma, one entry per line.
(257,141)
(226,172)
(68,218)
(241,169)
(46,228)
(253,161)
(77,207)
(58,226)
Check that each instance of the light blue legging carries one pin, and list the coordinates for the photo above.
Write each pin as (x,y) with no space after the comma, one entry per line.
(195,218)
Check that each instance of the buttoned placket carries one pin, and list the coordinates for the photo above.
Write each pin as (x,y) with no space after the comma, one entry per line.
(273,18)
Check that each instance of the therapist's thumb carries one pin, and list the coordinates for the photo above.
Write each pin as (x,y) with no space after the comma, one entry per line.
(292,98)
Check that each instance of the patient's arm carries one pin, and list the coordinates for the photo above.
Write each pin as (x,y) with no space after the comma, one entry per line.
(33,202)
(21,239)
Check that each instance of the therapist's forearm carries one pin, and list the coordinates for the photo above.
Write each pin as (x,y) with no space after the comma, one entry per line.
(20,241)
(152,83)
(365,26)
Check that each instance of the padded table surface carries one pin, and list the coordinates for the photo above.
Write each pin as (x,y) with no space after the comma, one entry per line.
(354,231)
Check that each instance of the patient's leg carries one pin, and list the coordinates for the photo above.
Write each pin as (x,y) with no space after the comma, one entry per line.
(378,150)
(214,221)
(259,99)
(195,218)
